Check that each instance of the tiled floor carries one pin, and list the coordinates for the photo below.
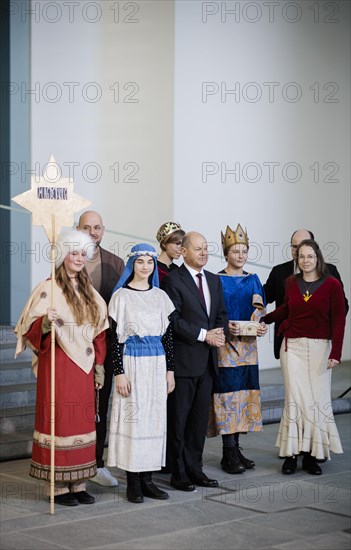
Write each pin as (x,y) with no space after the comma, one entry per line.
(258,509)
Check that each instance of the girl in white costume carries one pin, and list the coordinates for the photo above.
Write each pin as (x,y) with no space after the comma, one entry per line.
(142,352)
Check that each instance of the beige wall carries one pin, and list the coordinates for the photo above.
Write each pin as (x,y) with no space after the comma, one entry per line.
(114,119)
(262,128)
(174,94)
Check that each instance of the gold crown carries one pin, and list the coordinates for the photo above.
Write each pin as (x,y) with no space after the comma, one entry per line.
(166,230)
(239,236)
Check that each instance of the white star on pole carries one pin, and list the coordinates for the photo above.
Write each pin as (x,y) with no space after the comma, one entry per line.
(51,195)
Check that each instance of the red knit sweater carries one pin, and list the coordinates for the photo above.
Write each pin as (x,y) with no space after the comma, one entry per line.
(322,317)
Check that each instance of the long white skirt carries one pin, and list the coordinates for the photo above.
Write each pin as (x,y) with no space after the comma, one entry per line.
(308,422)
(137,438)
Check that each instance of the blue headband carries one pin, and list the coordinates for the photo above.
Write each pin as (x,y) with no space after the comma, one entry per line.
(141,249)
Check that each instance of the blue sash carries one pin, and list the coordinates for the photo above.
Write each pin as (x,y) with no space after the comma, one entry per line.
(147,346)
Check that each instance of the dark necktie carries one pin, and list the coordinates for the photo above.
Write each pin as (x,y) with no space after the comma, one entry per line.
(201,290)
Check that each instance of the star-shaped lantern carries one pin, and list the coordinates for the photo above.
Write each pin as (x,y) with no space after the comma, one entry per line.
(52,195)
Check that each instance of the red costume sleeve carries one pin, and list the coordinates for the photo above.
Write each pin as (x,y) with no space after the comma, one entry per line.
(100,348)
(282,312)
(337,319)
(35,334)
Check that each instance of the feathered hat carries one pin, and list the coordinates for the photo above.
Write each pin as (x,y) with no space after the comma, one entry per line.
(72,240)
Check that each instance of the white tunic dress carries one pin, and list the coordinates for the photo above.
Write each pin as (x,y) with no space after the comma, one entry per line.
(137,438)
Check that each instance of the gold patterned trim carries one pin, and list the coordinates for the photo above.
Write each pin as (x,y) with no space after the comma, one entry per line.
(64,474)
(79,441)
(257,301)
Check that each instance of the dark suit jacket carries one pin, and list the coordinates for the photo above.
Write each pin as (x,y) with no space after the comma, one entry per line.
(275,292)
(190,315)
(111,268)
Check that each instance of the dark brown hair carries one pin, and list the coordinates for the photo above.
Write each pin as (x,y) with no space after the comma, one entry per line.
(227,248)
(173,238)
(321,267)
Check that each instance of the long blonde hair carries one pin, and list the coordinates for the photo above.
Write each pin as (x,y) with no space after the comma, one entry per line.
(84,307)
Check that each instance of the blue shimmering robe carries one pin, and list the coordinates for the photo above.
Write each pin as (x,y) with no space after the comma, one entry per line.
(236,403)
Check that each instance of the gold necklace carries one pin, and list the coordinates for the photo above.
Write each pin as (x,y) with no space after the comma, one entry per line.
(307,295)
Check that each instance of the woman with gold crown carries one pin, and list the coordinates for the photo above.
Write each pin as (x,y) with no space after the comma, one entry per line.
(236,403)
(170,236)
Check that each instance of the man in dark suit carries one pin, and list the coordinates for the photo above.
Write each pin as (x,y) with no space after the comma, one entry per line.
(275,285)
(198,325)
(104,270)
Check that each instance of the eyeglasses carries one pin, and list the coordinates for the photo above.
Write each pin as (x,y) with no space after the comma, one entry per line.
(308,257)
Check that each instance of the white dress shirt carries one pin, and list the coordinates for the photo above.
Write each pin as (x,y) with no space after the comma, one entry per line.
(207,295)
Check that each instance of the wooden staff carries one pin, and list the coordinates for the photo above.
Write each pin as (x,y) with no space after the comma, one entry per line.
(47,211)
(52,409)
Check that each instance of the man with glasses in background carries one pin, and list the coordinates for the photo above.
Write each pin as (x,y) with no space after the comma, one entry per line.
(104,270)
(275,285)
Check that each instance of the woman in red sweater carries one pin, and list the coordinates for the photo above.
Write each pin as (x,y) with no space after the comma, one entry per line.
(313,324)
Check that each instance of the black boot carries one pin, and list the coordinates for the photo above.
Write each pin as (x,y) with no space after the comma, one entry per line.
(149,489)
(134,493)
(246,462)
(309,463)
(230,462)
(289,465)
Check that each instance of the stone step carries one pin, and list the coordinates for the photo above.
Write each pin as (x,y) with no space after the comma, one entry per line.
(18,444)
(7,353)
(16,372)
(7,335)
(18,388)
(17,419)
(272,392)
(17,395)
(272,410)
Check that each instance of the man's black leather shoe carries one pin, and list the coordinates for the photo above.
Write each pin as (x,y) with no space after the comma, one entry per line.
(84,498)
(181,484)
(67,499)
(202,480)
